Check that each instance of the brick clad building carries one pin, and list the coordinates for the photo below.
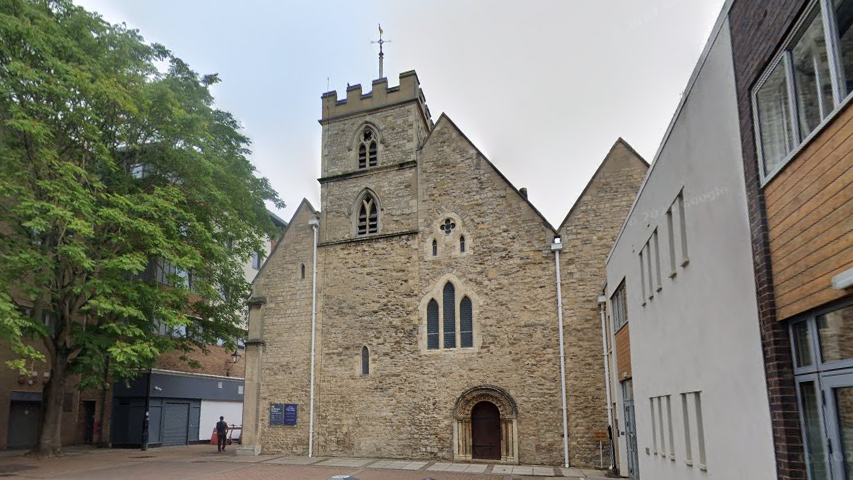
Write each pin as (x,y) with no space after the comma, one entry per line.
(436,300)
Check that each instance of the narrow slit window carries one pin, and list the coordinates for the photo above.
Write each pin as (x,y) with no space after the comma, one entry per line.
(662,431)
(302,271)
(365,361)
(466,323)
(656,243)
(685,259)
(368,216)
(649,269)
(368,150)
(462,244)
(700,430)
(670,233)
(434,248)
(449,316)
(642,278)
(688,452)
(432,325)
(654,428)
(669,424)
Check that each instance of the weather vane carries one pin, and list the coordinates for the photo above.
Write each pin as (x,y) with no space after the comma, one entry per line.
(381,55)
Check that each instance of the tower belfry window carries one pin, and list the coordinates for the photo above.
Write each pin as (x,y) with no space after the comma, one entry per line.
(368,153)
(368,216)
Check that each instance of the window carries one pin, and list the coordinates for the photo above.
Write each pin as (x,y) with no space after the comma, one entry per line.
(367,149)
(682,221)
(434,248)
(688,453)
(466,324)
(365,361)
(168,274)
(649,270)
(619,307)
(462,244)
(432,325)
(654,427)
(368,217)
(806,82)
(662,431)
(670,231)
(302,271)
(443,330)
(669,424)
(449,316)
(642,277)
(656,244)
(822,345)
(256,260)
(700,430)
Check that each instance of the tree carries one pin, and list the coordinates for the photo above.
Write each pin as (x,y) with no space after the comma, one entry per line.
(113,173)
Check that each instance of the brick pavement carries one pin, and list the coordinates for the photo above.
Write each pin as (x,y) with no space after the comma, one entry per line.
(200,462)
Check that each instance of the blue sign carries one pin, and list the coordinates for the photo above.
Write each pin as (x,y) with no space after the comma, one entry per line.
(276,414)
(290,414)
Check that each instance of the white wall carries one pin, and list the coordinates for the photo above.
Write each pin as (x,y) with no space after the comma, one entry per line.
(700,332)
(210,413)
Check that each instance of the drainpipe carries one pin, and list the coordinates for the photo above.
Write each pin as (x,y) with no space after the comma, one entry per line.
(556,247)
(602,304)
(314,222)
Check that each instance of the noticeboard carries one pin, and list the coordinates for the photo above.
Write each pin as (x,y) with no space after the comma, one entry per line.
(290,411)
(276,414)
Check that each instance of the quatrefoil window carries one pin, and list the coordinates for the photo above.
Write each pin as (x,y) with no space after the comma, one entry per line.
(448,226)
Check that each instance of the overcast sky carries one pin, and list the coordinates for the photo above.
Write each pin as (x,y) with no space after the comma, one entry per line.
(542,88)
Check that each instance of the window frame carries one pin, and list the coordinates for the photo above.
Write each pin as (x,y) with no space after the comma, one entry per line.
(619,310)
(366,203)
(840,98)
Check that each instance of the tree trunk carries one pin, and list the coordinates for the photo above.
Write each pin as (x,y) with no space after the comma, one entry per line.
(50,431)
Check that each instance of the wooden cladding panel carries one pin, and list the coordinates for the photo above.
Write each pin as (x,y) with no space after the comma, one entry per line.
(810,220)
(623,354)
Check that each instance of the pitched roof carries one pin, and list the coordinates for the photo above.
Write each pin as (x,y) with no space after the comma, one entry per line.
(445,117)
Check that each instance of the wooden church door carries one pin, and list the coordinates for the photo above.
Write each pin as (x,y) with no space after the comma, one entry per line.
(486,431)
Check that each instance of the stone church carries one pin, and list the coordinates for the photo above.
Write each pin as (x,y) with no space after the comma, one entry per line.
(433,329)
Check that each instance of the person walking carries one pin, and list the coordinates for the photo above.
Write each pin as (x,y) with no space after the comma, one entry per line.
(221,432)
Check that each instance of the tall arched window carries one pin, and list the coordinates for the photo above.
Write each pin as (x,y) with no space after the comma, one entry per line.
(432,325)
(466,324)
(368,217)
(449,316)
(365,361)
(367,149)
(462,244)
(434,248)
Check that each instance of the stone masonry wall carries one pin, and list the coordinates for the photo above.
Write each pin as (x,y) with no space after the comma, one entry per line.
(510,269)
(588,233)
(395,190)
(287,331)
(399,129)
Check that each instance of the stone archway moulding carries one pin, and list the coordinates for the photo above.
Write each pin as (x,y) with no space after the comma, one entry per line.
(462,422)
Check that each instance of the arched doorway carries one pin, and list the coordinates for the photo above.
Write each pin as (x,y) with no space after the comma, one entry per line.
(485,432)
(485,426)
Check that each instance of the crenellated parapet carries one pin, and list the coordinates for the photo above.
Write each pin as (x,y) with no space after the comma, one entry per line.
(356,102)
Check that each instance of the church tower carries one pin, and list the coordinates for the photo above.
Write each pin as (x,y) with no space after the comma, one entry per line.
(370,148)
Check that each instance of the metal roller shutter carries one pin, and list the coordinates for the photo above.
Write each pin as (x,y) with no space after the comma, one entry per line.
(176,422)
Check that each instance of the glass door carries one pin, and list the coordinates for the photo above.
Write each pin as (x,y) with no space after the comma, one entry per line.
(838,395)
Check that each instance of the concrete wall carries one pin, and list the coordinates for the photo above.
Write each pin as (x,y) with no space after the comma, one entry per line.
(698,332)
(211,411)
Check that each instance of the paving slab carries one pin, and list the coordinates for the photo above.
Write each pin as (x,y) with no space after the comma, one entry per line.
(476,468)
(345,462)
(295,460)
(543,471)
(415,465)
(502,469)
(438,467)
(457,467)
(572,472)
(519,470)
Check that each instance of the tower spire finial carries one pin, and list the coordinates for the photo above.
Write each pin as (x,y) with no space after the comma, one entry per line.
(381,54)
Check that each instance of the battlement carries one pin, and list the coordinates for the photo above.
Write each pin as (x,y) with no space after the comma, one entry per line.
(380,96)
